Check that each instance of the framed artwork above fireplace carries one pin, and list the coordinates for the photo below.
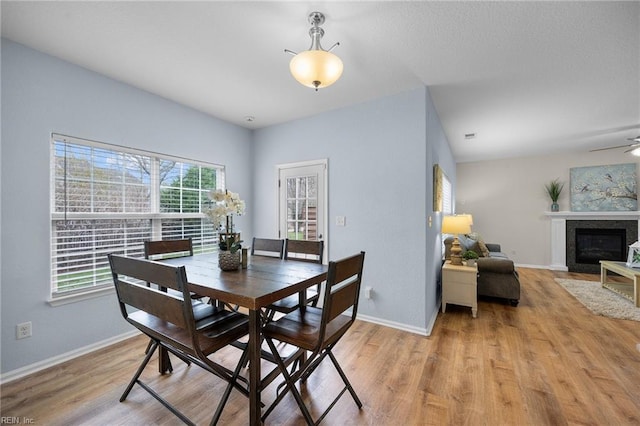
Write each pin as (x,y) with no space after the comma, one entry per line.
(604,188)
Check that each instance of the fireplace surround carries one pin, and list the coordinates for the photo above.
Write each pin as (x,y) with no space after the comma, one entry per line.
(559,237)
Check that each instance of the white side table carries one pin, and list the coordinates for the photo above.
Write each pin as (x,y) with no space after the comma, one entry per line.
(459,286)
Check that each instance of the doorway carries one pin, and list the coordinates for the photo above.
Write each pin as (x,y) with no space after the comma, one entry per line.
(302,201)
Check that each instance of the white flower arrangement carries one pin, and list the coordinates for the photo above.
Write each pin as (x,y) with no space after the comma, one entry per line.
(227,204)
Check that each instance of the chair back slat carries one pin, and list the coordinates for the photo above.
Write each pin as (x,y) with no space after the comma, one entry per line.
(168,248)
(342,287)
(146,270)
(161,304)
(342,299)
(267,247)
(157,303)
(304,250)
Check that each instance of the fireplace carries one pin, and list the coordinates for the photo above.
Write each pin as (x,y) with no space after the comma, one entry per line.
(593,245)
(589,241)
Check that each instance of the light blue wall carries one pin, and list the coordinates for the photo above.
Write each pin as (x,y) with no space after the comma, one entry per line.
(40,95)
(380,157)
(439,153)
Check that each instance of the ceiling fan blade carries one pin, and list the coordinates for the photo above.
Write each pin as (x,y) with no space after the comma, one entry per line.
(636,139)
(613,147)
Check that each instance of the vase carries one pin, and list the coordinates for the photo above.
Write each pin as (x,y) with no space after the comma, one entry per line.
(471,262)
(228,261)
(555,207)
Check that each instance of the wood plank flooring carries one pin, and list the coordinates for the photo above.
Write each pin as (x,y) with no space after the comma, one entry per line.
(547,362)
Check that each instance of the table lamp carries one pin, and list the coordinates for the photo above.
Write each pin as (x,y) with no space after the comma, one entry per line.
(455,225)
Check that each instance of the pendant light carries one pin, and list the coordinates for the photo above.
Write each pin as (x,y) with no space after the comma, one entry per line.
(316,68)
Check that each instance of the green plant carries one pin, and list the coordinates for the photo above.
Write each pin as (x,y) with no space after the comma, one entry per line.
(554,188)
(470,254)
(230,244)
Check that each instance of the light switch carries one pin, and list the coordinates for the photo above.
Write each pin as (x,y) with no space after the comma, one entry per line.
(341,221)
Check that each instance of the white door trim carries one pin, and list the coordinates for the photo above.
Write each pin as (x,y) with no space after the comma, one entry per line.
(325,211)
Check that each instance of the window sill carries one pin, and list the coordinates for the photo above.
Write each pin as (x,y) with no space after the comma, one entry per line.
(78,297)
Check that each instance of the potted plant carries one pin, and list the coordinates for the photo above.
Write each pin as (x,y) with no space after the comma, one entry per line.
(227,204)
(554,188)
(470,256)
(229,255)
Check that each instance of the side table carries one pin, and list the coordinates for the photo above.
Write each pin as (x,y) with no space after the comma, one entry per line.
(460,286)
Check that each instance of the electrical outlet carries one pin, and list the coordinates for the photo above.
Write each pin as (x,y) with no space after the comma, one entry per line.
(367,292)
(341,220)
(23,330)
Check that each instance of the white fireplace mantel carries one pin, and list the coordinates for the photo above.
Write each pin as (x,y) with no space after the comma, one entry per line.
(559,231)
(594,215)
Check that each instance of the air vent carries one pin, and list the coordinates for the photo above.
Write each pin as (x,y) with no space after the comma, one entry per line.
(469,135)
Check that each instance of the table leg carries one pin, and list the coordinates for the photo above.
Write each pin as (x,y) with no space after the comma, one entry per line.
(164,362)
(255,411)
(636,292)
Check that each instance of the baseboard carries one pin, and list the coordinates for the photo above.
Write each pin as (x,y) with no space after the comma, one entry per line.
(524,265)
(44,364)
(400,326)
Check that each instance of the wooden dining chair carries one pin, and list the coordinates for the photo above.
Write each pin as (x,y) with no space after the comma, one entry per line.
(171,323)
(318,330)
(267,247)
(304,251)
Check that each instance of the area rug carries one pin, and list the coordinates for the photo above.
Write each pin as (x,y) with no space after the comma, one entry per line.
(599,300)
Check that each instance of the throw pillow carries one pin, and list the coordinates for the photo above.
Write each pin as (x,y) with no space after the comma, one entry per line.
(466,242)
(483,249)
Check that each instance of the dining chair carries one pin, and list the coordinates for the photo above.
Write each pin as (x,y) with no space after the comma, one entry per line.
(304,251)
(267,247)
(318,330)
(171,323)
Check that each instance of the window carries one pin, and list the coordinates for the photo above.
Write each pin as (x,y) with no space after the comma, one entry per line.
(110,199)
(447,195)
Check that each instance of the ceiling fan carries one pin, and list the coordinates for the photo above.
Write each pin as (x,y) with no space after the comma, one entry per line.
(634,146)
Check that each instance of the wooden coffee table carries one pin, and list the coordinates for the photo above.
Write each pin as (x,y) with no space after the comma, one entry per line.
(628,290)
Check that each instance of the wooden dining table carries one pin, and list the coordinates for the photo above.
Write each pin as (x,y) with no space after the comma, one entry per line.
(264,281)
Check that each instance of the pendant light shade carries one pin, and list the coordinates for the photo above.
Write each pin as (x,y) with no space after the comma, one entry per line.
(316,67)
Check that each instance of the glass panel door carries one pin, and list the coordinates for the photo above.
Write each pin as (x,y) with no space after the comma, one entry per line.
(302,201)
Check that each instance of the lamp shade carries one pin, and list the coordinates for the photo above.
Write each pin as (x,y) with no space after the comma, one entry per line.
(456,225)
(468,216)
(316,68)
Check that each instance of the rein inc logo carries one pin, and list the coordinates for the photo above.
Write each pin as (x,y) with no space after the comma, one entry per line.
(7,420)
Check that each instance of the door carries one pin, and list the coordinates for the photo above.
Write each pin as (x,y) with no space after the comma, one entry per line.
(302,201)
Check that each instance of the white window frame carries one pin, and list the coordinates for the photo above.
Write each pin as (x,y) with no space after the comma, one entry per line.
(207,238)
(447,195)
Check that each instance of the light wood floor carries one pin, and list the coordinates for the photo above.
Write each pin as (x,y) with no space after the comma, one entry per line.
(547,362)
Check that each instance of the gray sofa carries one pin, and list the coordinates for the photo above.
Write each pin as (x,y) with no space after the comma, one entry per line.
(497,276)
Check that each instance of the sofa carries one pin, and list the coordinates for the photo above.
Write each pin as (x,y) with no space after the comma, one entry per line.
(497,276)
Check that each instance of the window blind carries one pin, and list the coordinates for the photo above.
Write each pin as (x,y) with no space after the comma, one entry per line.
(447,195)
(110,199)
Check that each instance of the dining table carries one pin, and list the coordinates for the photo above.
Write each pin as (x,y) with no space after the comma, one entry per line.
(264,280)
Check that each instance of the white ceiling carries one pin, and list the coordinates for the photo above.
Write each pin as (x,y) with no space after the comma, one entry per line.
(528,78)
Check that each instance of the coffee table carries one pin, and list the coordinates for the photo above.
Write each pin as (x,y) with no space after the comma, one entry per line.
(628,290)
